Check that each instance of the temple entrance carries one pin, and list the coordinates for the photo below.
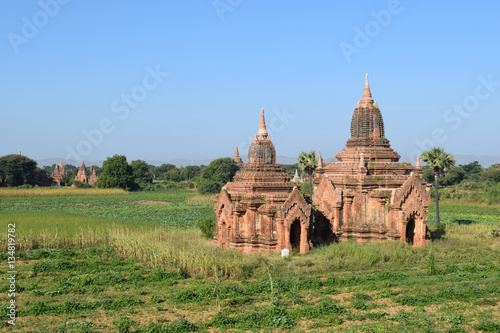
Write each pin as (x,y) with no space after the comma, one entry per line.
(410,230)
(295,235)
(322,231)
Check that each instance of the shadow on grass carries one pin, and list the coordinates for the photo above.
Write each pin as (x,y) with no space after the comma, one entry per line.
(438,231)
(464,221)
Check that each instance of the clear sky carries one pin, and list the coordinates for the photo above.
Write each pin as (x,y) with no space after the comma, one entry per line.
(164,80)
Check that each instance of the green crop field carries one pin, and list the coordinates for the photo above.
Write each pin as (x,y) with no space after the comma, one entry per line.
(118,262)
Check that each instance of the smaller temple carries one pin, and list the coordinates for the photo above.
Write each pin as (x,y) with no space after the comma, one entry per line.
(93,177)
(296,178)
(82,175)
(261,210)
(58,174)
(237,159)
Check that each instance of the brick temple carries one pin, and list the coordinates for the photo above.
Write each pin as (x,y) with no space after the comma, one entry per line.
(369,194)
(58,174)
(84,177)
(261,210)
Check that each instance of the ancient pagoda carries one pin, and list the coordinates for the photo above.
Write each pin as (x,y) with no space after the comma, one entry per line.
(237,158)
(58,174)
(261,210)
(369,194)
(84,177)
(93,177)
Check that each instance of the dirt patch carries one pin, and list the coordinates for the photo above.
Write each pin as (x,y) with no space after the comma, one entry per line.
(82,204)
(151,202)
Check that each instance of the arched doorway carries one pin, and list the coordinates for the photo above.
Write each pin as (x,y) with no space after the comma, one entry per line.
(295,235)
(323,233)
(410,230)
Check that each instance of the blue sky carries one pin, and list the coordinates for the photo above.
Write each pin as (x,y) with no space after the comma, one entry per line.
(67,69)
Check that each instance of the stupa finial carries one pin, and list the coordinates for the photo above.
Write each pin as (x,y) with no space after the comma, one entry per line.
(366,99)
(262,133)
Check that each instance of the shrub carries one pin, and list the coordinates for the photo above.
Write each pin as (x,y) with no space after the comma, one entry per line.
(79,184)
(156,299)
(181,325)
(123,324)
(208,186)
(207,227)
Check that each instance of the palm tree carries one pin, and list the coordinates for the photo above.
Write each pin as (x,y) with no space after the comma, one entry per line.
(308,162)
(440,161)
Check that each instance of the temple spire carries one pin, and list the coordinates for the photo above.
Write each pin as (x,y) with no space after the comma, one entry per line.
(417,166)
(262,133)
(82,166)
(320,160)
(366,99)
(237,157)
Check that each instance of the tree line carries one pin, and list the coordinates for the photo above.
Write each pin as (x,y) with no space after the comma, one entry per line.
(116,172)
(18,170)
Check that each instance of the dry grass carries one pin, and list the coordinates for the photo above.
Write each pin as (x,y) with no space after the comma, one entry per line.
(6,192)
(186,249)
(201,199)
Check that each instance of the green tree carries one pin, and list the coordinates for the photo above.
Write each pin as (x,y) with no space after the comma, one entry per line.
(290,169)
(141,173)
(71,172)
(497,176)
(160,171)
(208,186)
(116,173)
(454,176)
(174,175)
(490,174)
(216,174)
(427,173)
(191,172)
(472,168)
(17,170)
(41,177)
(440,161)
(307,163)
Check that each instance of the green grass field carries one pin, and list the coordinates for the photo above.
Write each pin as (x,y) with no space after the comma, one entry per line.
(135,263)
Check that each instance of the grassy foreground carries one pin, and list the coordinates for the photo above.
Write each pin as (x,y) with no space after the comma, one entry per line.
(134,263)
